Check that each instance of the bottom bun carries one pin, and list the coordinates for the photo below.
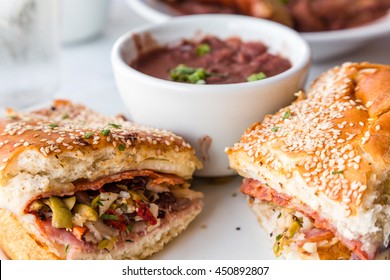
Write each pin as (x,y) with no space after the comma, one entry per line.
(17,243)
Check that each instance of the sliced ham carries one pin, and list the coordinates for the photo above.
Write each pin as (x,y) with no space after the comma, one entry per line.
(316,235)
(257,190)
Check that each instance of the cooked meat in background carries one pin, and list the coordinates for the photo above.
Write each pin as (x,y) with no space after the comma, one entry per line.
(303,15)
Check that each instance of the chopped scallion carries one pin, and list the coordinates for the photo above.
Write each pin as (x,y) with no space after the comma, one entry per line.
(202,49)
(110,217)
(287,114)
(114,125)
(88,135)
(183,73)
(256,77)
(106,132)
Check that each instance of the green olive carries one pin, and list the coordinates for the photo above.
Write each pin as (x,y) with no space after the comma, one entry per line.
(87,212)
(96,202)
(107,243)
(36,205)
(137,195)
(294,228)
(70,202)
(62,217)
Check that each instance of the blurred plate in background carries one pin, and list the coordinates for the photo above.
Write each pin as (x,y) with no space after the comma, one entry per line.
(324,45)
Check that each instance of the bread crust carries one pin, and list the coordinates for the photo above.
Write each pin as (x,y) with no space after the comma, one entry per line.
(45,151)
(68,148)
(66,128)
(17,243)
(330,150)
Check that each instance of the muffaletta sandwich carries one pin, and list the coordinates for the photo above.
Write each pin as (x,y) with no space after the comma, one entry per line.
(78,185)
(317,172)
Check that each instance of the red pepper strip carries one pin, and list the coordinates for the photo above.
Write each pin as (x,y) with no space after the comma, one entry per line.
(144,212)
(119,224)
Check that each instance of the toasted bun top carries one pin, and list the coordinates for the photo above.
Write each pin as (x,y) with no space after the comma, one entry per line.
(68,130)
(337,139)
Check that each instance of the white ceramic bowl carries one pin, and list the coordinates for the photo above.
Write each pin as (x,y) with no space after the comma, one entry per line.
(219,113)
(324,45)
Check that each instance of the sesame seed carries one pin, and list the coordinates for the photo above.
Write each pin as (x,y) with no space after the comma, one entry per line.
(378,127)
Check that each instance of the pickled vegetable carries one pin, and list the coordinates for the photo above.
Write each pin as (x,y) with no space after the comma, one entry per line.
(88,213)
(36,205)
(137,196)
(62,217)
(70,202)
(107,243)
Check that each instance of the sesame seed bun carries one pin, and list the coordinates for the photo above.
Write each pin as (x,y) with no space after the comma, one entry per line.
(68,148)
(69,142)
(329,150)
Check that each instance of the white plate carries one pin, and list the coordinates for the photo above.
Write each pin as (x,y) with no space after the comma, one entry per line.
(324,45)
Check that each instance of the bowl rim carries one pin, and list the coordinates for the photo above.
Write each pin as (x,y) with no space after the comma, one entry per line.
(373,29)
(117,60)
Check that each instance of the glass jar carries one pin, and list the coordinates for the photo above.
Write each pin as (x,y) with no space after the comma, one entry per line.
(29,52)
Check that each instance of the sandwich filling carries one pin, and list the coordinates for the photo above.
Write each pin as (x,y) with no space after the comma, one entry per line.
(113,210)
(299,227)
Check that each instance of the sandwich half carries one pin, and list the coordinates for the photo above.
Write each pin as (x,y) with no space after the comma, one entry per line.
(78,185)
(317,173)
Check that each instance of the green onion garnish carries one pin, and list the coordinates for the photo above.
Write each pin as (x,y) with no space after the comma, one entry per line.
(88,135)
(106,132)
(183,73)
(202,49)
(110,217)
(114,125)
(287,114)
(256,77)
